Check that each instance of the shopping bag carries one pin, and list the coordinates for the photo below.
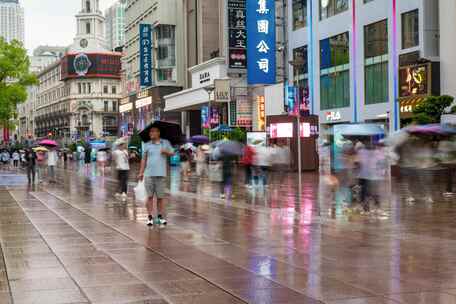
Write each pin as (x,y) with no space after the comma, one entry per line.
(140,192)
(215,172)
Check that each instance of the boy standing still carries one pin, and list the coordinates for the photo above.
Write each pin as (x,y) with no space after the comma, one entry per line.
(154,171)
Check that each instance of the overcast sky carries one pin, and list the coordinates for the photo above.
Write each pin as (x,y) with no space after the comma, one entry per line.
(52,22)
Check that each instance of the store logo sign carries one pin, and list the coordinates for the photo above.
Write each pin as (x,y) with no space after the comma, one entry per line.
(333,116)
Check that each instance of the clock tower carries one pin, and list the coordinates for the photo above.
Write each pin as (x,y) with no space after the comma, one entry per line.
(90,28)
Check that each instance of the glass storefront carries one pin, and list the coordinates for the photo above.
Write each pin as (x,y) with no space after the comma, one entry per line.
(334,71)
(299,14)
(376,62)
(329,8)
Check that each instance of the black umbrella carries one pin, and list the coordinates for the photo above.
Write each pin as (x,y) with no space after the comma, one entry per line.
(169,131)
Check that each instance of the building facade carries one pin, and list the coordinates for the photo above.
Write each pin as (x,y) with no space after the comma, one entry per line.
(11,20)
(43,56)
(78,96)
(144,103)
(364,61)
(115,25)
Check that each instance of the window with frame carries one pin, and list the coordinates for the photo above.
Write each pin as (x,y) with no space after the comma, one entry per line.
(410,29)
(335,72)
(376,62)
(114,90)
(105,89)
(106,106)
(329,8)
(300,67)
(88,29)
(299,8)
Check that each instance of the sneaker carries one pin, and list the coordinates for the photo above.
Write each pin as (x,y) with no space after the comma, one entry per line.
(124,197)
(162,221)
(150,221)
(222,196)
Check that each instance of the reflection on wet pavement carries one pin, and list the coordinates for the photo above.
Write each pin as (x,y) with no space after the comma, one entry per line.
(73,243)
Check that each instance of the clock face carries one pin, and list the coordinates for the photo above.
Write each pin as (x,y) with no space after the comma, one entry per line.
(83,43)
(82,64)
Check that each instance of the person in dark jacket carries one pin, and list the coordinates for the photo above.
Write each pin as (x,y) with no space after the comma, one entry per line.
(30,163)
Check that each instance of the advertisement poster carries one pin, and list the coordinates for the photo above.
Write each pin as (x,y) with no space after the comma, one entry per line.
(281,130)
(237,48)
(145,54)
(257,139)
(261,42)
(244,111)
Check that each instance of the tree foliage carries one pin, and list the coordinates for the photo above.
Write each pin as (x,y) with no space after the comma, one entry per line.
(431,109)
(14,79)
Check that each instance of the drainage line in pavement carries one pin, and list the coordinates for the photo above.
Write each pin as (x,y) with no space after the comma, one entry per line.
(3,260)
(50,248)
(149,248)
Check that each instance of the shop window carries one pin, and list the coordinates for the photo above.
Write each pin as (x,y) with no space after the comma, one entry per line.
(299,14)
(376,62)
(410,29)
(329,8)
(334,71)
(165,75)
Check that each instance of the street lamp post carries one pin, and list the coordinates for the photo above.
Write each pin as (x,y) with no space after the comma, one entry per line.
(209,90)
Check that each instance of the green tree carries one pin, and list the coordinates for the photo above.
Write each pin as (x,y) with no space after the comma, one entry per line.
(431,109)
(14,79)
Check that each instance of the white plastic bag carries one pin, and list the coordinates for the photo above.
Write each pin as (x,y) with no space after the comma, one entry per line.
(140,192)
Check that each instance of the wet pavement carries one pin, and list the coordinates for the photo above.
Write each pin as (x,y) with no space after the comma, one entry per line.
(72,242)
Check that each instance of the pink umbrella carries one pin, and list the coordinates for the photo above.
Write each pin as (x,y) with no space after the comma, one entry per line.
(49,143)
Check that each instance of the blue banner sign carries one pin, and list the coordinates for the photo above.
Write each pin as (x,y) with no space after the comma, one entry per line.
(261,42)
(145,54)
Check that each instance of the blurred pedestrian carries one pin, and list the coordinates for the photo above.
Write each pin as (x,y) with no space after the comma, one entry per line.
(262,162)
(6,158)
(154,171)
(40,165)
(247,160)
(185,159)
(30,165)
(16,157)
(87,157)
(201,161)
(102,157)
(226,185)
(121,160)
(52,159)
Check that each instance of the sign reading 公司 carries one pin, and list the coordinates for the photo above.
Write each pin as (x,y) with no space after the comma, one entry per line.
(145,54)
(261,42)
(237,34)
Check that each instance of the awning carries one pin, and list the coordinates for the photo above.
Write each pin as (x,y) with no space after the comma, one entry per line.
(189,99)
(408,104)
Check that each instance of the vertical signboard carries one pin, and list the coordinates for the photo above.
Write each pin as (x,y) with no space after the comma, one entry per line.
(145,54)
(222,91)
(261,42)
(244,111)
(237,31)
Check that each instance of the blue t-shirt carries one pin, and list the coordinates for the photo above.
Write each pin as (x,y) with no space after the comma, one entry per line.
(156,161)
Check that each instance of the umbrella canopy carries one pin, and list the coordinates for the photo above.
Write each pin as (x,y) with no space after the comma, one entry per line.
(230,148)
(200,139)
(362,130)
(432,129)
(189,146)
(48,143)
(169,131)
(222,128)
(40,149)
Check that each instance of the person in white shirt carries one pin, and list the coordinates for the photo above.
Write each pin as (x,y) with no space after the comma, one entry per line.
(52,158)
(16,158)
(102,157)
(121,159)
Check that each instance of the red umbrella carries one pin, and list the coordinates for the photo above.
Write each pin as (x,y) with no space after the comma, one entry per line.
(49,143)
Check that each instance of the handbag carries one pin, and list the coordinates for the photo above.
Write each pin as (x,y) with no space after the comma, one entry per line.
(141,192)
(215,172)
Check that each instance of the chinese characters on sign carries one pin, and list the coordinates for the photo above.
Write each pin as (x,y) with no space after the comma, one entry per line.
(145,52)
(261,30)
(414,80)
(244,111)
(238,34)
(261,113)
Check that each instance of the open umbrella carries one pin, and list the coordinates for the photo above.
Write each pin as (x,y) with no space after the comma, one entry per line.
(222,128)
(200,139)
(169,131)
(40,149)
(230,148)
(362,130)
(48,143)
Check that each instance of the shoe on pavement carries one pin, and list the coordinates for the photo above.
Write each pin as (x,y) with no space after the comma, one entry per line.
(124,197)
(222,196)
(150,221)
(162,221)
